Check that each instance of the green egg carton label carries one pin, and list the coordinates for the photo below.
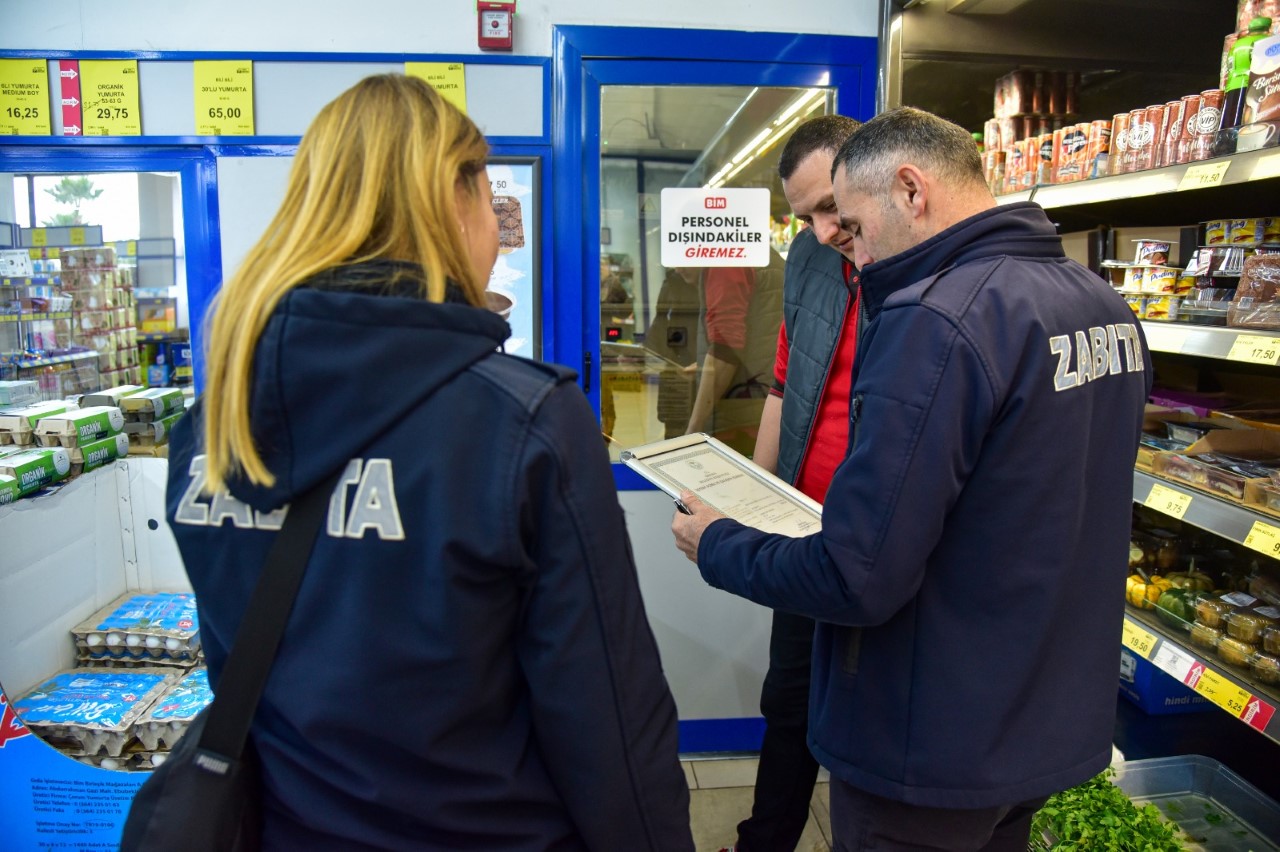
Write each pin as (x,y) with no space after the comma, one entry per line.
(98,453)
(25,418)
(85,426)
(9,490)
(35,469)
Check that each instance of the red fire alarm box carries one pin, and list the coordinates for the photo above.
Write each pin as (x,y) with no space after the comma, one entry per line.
(496,24)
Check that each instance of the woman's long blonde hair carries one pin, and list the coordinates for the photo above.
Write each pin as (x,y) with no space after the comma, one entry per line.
(376,177)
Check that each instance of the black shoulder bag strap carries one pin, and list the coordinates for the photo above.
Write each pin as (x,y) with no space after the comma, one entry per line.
(244,675)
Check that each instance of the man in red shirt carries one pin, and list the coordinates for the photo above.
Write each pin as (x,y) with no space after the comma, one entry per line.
(803,437)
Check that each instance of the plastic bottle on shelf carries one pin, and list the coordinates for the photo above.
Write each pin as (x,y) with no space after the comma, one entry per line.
(1238,82)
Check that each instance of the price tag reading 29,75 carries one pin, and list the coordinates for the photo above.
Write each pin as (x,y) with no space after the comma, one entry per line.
(1168,501)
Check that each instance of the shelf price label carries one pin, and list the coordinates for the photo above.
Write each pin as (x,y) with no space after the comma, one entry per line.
(1264,538)
(24,97)
(39,237)
(109,88)
(1140,641)
(1204,175)
(1168,501)
(1222,692)
(447,78)
(224,97)
(1255,349)
(77,236)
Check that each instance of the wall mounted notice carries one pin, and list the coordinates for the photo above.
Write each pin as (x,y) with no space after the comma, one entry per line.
(513,284)
(224,97)
(715,227)
(109,88)
(24,97)
(447,78)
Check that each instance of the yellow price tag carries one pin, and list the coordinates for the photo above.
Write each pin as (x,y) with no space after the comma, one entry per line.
(1204,175)
(447,78)
(224,97)
(1255,349)
(39,237)
(1222,692)
(52,253)
(1167,500)
(131,248)
(109,90)
(77,236)
(1140,641)
(24,97)
(1264,538)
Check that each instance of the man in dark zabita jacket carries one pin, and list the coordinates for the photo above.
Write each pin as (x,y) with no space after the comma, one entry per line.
(966,580)
(468,664)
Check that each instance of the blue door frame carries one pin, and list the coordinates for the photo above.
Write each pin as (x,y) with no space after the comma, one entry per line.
(586,58)
(198,171)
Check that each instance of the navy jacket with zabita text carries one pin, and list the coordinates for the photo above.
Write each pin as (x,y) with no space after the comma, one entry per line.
(968,575)
(468,664)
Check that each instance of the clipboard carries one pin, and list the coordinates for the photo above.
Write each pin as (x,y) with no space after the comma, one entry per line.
(728,482)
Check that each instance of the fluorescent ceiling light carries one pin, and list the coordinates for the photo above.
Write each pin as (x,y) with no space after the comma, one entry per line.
(795,106)
(773,140)
(751,146)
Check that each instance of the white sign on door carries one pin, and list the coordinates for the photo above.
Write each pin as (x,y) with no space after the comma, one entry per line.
(715,227)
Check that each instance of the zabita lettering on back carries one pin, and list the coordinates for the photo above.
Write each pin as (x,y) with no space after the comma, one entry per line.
(372,507)
(1099,351)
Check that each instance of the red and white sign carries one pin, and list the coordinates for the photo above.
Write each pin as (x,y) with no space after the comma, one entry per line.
(1257,714)
(715,227)
(1193,676)
(69,75)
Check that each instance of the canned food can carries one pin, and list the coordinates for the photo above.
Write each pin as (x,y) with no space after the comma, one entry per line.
(1144,124)
(1057,155)
(1224,63)
(1168,153)
(1028,128)
(1119,141)
(1030,164)
(1072,152)
(1186,138)
(1136,135)
(1044,144)
(1098,150)
(1208,121)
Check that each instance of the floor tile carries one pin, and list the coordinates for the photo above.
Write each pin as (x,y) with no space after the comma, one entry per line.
(688,774)
(821,808)
(737,772)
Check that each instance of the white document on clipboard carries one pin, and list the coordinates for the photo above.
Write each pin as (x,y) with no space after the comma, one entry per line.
(727,481)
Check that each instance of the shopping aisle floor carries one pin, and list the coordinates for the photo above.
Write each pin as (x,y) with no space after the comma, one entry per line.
(720,798)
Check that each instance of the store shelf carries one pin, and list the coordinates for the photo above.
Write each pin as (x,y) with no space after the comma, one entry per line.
(162,336)
(1212,342)
(1201,509)
(1127,199)
(27,363)
(56,315)
(1209,677)
(31,281)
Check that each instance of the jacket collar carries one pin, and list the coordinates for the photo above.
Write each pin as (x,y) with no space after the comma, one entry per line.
(1020,229)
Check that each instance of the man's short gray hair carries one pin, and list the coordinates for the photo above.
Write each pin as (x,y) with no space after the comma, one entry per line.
(875,150)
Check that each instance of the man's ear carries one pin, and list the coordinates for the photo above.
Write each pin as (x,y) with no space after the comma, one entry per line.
(911,189)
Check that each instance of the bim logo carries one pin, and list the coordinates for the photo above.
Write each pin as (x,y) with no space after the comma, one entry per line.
(716,202)
(10,727)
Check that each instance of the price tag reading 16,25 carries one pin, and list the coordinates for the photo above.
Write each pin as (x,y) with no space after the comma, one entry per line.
(1264,538)
(1168,501)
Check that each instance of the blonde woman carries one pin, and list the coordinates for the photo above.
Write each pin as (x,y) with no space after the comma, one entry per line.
(468,664)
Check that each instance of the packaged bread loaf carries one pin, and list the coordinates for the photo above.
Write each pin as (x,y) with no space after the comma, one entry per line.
(1257,301)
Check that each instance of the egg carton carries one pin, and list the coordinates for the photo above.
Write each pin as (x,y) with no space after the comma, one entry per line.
(167,720)
(92,711)
(142,625)
(121,660)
